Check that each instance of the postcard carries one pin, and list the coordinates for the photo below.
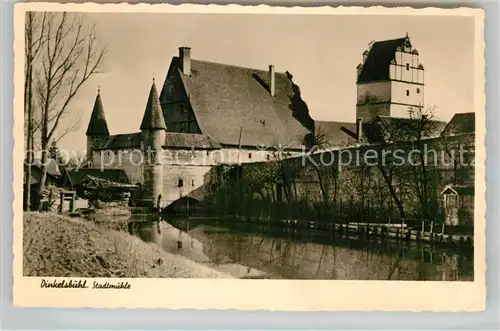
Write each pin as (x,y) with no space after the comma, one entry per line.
(249,157)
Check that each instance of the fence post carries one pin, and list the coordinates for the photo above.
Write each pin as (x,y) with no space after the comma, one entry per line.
(61,201)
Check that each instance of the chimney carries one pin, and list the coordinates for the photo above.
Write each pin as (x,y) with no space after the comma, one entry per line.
(359,128)
(185,58)
(272,81)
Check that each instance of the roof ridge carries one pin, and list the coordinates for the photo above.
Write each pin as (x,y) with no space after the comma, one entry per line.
(237,66)
(388,40)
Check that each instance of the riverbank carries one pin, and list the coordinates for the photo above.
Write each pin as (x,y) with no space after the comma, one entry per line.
(61,246)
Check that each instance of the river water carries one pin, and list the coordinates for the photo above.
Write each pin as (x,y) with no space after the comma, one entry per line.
(306,254)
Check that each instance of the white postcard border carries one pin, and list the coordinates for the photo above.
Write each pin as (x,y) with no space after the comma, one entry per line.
(275,295)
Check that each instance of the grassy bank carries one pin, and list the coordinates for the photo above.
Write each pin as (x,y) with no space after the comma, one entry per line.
(59,246)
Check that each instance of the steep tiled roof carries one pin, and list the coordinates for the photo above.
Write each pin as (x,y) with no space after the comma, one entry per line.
(376,66)
(227,98)
(460,123)
(189,140)
(334,133)
(153,115)
(97,124)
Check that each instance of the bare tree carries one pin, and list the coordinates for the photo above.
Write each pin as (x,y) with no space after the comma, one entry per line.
(70,55)
(413,134)
(34,34)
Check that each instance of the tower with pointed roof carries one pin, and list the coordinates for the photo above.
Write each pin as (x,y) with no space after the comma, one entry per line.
(153,138)
(390,80)
(97,130)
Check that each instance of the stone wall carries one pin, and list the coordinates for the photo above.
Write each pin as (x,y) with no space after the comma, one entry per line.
(323,186)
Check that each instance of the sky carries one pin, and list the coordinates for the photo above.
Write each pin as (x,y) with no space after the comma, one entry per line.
(321,51)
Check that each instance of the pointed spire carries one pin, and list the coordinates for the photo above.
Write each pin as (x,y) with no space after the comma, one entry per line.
(153,115)
(97,124)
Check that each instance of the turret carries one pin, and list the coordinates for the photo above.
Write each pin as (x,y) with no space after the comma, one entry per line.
(97,130)
(153,137)
(390,80)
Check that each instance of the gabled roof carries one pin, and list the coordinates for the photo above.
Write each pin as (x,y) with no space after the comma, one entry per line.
(334,132)
(460,123)
(153,115)
(97,124)
(226,99)
(74,177)
(458,189)
(376,66)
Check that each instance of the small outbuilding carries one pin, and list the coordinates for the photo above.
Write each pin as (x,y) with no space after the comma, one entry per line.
(458,204)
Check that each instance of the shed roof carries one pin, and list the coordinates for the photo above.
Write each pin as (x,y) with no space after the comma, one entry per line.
(189,141)
(172,140)
(114,175)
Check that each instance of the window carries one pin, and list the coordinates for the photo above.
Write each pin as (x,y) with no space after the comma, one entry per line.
(192,182)
(407,66)
(171,89)
(180,183)
(407,93)
(268,157)
(249,155)
(418,90)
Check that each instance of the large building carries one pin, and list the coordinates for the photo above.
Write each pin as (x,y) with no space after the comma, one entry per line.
(206,114)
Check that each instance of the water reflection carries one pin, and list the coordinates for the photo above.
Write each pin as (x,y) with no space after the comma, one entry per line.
(305,254)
